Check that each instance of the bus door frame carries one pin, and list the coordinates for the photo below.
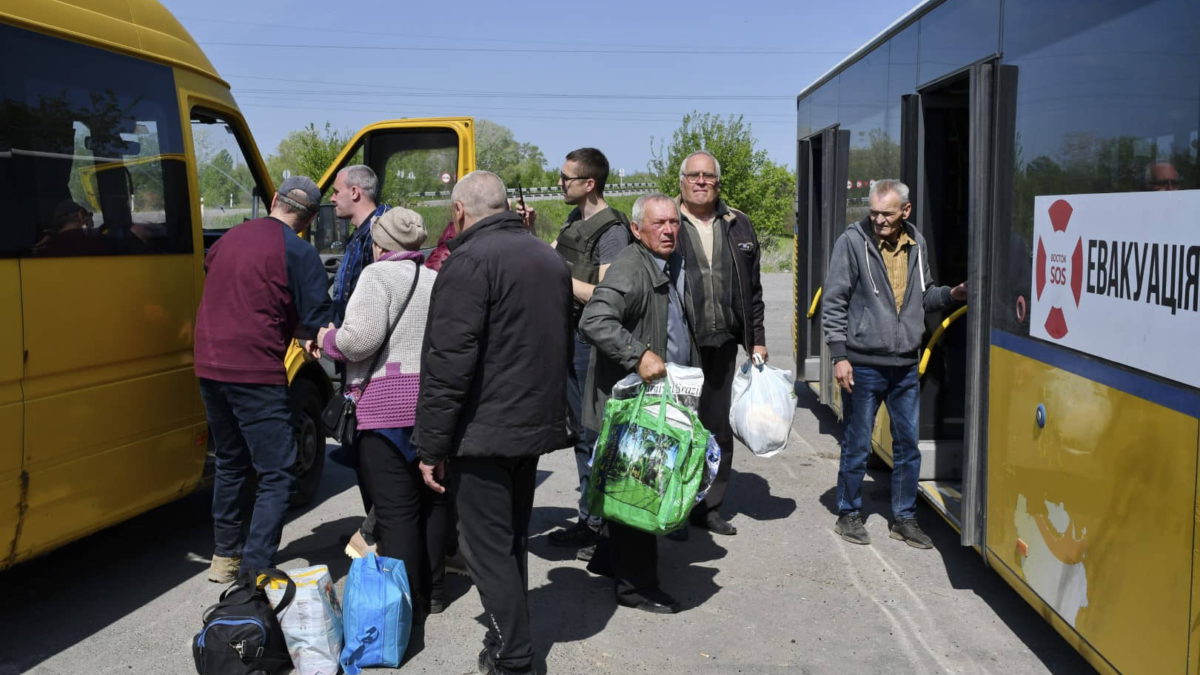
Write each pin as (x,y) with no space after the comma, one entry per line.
(986,103)
(817,227)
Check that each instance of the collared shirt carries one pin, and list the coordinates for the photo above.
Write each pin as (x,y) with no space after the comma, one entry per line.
(679,342)
(895,262)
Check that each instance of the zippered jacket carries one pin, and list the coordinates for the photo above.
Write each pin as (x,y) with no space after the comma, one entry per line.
(626,316)
(738,297)
(858,308)
(497,347)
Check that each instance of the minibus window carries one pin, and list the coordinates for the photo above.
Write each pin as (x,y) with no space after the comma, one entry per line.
(91,156)
(229,193)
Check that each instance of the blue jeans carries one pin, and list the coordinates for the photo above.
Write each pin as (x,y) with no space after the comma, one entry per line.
(252,434)
(900,388)
(576,382)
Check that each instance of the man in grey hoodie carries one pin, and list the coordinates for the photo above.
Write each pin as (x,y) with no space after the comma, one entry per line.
(876,293)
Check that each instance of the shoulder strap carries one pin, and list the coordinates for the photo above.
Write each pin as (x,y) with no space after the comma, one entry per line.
(391,329)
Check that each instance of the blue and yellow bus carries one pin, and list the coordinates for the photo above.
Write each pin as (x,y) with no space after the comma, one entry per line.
(1051,148)
(122,152)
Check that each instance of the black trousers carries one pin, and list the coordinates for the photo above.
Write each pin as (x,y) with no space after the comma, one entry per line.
(719,365)
(632,557)
(411,518)
(494,497)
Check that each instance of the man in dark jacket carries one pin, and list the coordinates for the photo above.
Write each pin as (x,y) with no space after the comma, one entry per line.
(265,285)
(722,255)
(593,236)
(493,397)
(877,290)
(638,317)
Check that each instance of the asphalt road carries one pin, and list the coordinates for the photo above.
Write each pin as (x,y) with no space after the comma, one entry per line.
(785,595)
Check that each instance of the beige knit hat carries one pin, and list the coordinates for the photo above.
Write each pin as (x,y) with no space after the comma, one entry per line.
(399,229)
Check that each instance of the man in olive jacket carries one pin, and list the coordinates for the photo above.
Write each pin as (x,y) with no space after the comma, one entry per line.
(638,318)
(493,397)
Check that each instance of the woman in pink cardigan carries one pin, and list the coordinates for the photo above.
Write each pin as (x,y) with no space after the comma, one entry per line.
(411,517)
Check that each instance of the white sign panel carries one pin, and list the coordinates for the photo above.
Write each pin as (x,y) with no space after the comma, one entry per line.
(1118,276)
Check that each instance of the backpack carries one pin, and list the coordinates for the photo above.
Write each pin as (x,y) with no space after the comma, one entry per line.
(241,633)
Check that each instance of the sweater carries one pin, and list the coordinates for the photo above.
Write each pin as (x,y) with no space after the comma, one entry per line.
(265,285)
(390,399)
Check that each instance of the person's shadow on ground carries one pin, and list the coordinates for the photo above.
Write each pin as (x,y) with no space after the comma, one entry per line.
(750,495)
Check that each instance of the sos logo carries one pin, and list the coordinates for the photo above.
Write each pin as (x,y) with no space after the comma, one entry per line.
(1059,269)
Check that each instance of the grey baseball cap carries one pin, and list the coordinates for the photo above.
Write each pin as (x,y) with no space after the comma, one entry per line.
(305,184)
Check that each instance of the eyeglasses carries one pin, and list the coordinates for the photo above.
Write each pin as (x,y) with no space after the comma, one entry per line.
(695,176)
(564,178)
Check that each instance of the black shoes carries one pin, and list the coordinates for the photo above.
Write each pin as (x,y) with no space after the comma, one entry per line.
(850,526)
(578,535)
(586,553)
(652,600)
(907,531)
(718,525)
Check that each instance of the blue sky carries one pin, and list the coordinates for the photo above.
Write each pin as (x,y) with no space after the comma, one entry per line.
(561,75)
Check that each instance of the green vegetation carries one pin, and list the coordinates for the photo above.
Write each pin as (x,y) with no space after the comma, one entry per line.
(749,180)
(307,152)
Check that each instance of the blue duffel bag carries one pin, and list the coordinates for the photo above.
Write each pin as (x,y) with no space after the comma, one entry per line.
(377,614)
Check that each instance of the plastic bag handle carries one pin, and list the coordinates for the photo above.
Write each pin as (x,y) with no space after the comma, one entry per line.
(758,360)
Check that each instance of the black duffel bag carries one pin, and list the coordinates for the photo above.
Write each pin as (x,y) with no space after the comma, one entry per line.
(241,633)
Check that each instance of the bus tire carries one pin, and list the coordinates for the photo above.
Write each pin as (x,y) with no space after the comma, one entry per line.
(306,403)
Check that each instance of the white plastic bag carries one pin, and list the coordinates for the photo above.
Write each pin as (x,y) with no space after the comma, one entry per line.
(764,402)
(312,623)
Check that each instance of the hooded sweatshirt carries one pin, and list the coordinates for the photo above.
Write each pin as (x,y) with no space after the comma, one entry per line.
(859,315)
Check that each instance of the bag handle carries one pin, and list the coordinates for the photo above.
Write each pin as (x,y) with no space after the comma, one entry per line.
(391,329)
(289,593)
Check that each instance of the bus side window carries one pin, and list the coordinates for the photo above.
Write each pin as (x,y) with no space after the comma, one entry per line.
(91,156)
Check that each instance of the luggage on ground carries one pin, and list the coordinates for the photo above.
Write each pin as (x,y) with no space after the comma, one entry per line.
(377,613)
(241,633)
(312,622)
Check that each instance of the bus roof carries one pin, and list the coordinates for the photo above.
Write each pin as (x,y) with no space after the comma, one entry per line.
(898,25)
(140,27)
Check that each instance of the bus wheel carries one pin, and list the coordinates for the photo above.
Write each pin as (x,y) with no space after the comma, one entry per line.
(306,404)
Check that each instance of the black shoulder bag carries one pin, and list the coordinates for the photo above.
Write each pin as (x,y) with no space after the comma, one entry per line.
(339,414)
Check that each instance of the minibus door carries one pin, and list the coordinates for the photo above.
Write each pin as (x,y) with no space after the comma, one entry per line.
(417,162)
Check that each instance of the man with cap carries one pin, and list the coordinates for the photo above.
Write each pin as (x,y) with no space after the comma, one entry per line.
(264,286)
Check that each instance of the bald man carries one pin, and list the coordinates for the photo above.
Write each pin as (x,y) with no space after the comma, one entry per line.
(493,398)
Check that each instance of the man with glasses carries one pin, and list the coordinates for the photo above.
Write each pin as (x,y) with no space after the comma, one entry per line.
(593,236)
(722,267)
(1162,176)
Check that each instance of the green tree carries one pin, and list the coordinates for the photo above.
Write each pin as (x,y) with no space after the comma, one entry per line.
(749,180)
(307,152)
(498,150)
